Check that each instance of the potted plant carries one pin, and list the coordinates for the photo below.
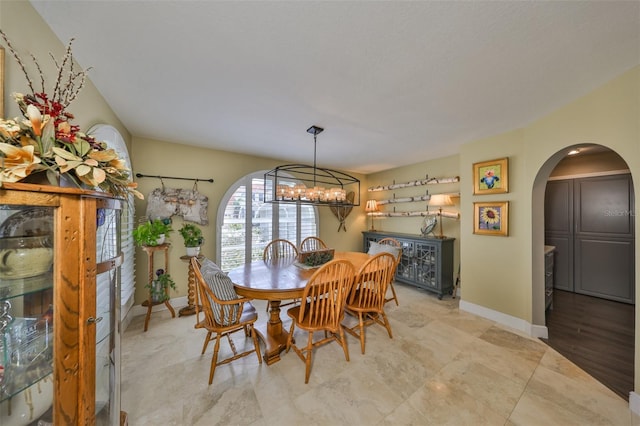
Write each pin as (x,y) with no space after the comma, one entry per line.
(193,238)
(158,287)
(152,232)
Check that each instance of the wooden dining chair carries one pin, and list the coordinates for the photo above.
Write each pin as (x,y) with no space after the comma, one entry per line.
(224,312)
(323,309)
(282,250)
(367,296)
(312,244)
(394,243)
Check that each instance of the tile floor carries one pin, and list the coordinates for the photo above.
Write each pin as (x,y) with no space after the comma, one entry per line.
(442,367)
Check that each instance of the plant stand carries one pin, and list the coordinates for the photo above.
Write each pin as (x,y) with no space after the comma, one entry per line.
(149,303)
(190,309)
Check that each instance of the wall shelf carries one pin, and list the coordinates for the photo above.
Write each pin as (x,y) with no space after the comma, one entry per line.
(413,199)
(425,197)
(453,215)
(427,181)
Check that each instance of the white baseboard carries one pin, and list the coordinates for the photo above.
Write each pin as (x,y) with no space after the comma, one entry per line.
(539,331)
(634,403)
(506,320)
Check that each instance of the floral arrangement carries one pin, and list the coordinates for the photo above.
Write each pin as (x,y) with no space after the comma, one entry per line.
(45,141)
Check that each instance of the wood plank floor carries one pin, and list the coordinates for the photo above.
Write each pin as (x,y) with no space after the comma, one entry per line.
(595,334)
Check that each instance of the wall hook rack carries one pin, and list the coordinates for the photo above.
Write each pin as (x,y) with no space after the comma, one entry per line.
(140,175)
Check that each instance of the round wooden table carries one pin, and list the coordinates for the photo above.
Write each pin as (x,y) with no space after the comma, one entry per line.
(277,280)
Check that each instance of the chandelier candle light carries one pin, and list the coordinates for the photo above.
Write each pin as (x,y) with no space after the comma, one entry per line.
(299,183)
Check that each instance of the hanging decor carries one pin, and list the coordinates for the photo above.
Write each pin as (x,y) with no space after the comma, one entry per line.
(341,212)
(299,183)
(165,202)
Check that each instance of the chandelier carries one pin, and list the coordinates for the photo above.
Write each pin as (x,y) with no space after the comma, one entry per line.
(300,183)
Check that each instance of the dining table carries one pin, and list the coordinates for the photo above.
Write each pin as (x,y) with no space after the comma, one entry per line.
(277,280)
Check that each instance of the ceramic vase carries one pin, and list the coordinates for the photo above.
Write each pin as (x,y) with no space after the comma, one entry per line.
(193,251)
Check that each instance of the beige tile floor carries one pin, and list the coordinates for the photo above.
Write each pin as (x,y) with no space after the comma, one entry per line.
(442,367)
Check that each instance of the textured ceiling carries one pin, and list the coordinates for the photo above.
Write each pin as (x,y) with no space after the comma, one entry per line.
(392,83)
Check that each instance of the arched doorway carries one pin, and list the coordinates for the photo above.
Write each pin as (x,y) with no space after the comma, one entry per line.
(592,319)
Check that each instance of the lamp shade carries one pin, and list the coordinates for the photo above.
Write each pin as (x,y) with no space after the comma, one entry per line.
(440,200)
(372,206)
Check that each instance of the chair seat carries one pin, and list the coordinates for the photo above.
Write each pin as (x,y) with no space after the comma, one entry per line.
(362,295)
(249,313)
(305,323)
(295,312)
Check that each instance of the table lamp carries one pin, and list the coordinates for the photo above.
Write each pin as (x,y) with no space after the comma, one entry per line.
(440,200)
(370,208)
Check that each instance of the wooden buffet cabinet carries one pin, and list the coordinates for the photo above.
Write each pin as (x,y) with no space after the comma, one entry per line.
(59,321)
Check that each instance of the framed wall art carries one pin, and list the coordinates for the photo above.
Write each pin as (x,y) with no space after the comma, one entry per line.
(491,218)
(491,177)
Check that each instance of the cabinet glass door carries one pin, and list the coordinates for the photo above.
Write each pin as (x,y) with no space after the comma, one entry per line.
(405,267)
(426,265)
(108,258)
(26,314)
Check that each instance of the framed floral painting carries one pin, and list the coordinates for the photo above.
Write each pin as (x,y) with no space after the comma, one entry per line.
(491,177)
(491,218)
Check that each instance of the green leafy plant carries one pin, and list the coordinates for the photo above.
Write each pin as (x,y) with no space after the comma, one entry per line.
(318,258)
(159,292)
(148,233)
(192,235)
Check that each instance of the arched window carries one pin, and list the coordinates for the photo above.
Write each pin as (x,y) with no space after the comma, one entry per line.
(247,223)
(113,139)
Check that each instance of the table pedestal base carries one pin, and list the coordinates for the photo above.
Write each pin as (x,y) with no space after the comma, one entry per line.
(273,334)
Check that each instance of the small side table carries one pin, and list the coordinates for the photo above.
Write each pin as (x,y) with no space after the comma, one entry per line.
(149,303)
(190,309)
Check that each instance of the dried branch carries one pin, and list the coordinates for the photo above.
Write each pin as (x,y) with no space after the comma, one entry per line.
(35,61)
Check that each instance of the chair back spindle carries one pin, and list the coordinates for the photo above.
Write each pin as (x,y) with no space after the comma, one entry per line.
(312,244)
(280,249)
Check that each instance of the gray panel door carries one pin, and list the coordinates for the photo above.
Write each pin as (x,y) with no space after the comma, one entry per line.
(603,269)
(590,222)
(558,223)
(604,237)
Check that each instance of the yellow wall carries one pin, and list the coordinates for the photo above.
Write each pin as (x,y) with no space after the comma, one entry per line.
(505,274)
(152,157)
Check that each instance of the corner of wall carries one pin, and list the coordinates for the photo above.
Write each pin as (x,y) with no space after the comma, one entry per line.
(634,404)
(535,331)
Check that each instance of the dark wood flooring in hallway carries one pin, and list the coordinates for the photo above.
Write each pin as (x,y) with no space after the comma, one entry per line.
(595,334)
